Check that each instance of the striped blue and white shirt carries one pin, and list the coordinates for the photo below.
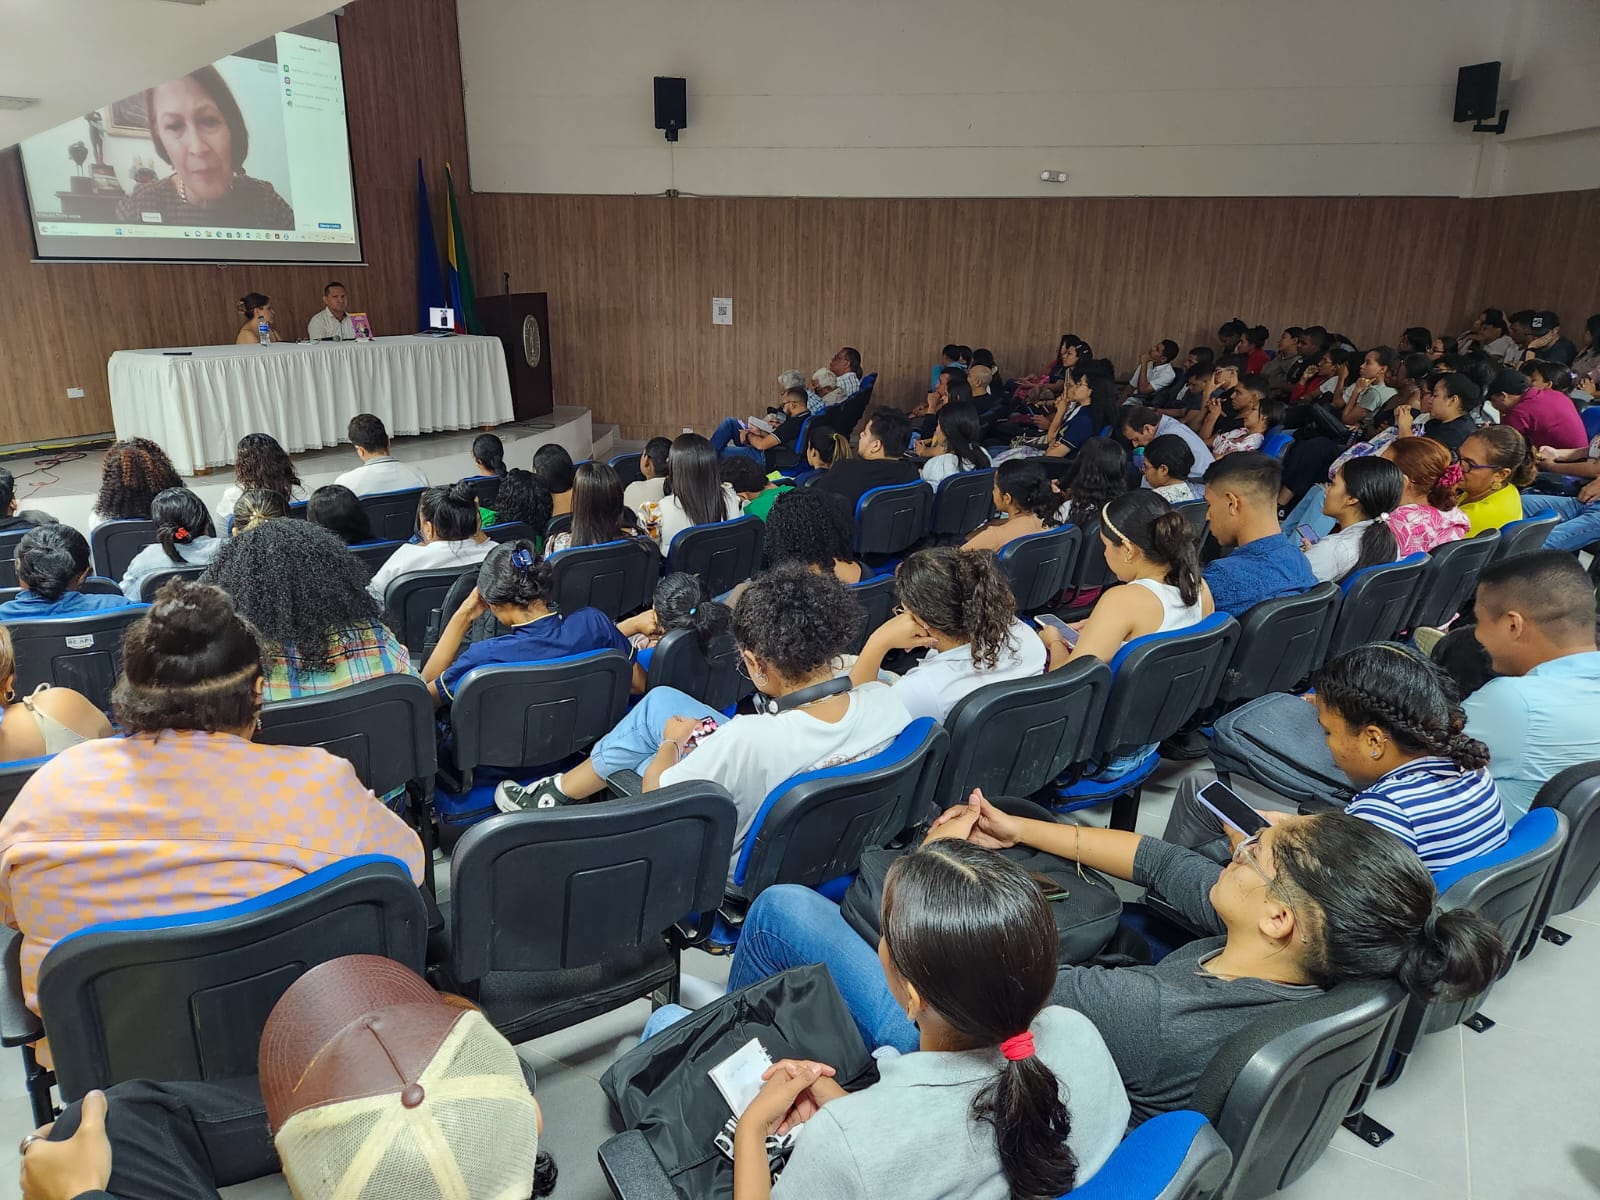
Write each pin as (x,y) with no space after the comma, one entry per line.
(1445,814)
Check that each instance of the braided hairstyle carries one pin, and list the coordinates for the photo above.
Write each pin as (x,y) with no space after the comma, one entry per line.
(131,474)
(1404,694)
(960,593)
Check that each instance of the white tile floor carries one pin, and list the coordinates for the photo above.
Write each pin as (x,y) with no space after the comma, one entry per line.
(1511,1114)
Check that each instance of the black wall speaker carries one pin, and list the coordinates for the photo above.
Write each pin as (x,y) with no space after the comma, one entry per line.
(672,104)
(1477,92)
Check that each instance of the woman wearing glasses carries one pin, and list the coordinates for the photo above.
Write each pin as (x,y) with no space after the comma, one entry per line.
(1495,464)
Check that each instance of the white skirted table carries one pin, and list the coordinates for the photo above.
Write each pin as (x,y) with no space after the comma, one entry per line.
(198,404)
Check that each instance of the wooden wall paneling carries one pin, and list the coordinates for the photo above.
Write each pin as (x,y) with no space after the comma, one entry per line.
(1535,252)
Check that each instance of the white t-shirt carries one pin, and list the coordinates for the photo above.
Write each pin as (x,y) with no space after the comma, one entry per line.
(382,474)
(674,520)
(428,556)
(324,326)
(1330,559)
(230,497)
(643,491)
(755,752)
(1374,398)
(933,687)
(942,466)
(1159,376)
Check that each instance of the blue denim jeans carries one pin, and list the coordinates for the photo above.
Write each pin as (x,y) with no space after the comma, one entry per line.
(1309,512)
(725,441)
(1580,523)
(791,926)
(667,1014)
(634,740)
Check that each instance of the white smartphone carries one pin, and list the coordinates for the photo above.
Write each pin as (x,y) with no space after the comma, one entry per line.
(1230,809)
(1068,634)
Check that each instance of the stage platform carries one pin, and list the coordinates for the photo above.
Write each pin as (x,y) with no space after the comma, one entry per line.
(67,492)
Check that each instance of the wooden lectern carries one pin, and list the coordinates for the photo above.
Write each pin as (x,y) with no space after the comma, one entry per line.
(521,322)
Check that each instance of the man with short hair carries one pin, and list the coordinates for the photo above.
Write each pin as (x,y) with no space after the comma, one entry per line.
(379,471)
(1415,340)
(774,451)
(846,367)
(653,466)
(1489,331)
(10,516)
(1536,621)
(1242,508)
(1280,366)
(755,491)
(882,444)
(825,390)
(333,323)
(1545,340)
(1141,426)
(1155,370)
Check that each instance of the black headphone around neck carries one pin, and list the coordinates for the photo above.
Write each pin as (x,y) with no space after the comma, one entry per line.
(806,695)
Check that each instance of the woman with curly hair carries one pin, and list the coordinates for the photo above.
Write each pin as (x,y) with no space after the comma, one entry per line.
(260,464)
(791,624)
(306,595)
(1026,500)
(1099,476)
(133,472)
(521,498)
(958,604)
(817,530)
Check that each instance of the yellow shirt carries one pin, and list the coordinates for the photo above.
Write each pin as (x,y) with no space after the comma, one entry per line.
(1495,510)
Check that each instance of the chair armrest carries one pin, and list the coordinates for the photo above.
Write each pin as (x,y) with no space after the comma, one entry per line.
(18,1024)
(626,783)
(632,1169)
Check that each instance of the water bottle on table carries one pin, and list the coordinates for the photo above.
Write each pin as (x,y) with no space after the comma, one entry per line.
(265,331)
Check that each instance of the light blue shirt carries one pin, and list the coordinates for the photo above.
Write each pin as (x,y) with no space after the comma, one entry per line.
(152,560)
(1537,725)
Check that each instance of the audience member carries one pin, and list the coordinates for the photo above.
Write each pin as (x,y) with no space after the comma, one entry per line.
(1543,413)
(259,464)
(957,605)
(774,451)
(653,466)
(1188,399)
(825,446)
(1168,464)
(1586,366)
(1447,406)
(1288,928)
(598,514)
(1495,465)
(379,471)
(1363,497)
(306,598)
(1545,340)
(132,474)
(846,368)
(523,500)
(1141,426)
(1230,334)
(955,445)
(825,388)
(204,832)
(60,717)
(1254,349)
(11,518)
(1369,393)
(337,509)
(1025,499)
(1255,413)
(488,456)
(680,602)
(1088,404)
(882,444)
(256,507)
(756,492)
(1277,370)
(185,537)
(1427,516)
(1242,508)
(1155,371)
(1489,332)
(1441,348)
(518,587)
(1415,340)
(1025,1097)
(696,494)
(817,531)
(52,563)
(1536,622)
(552,466)
(1099,475)
(447,518)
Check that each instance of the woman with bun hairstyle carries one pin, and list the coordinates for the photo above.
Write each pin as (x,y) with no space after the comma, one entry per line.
(52,563)
(956,604)
(447,521)
(255,308)
(45,721)
(681,602)
(1496,464)
(255,508)
(217,819)
(1151,546)
(1428,515)
(1026,1092)
(132,474)
(517,586)
(1027,501)
(185,537)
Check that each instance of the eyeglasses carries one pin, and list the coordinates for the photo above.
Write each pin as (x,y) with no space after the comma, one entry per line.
(1468,465)
(1245,854)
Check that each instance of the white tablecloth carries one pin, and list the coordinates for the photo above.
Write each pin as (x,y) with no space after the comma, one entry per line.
(198,405)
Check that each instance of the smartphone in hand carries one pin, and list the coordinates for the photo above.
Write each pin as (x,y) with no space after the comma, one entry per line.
(1231,809)
(1068,634)
(1311,536)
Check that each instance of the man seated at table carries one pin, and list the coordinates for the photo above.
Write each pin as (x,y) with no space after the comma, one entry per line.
(379,471)
(333,322)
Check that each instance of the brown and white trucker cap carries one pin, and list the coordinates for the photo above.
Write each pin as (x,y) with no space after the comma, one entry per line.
(379,1088)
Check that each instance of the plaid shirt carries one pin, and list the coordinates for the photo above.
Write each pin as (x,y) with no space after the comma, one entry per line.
(356,653)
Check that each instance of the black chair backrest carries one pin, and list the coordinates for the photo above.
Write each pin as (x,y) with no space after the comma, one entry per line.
(876,596)
(1576,792)
(558,524)
(13,775)
(154,583)
(1039,565)
(1013,737)
(189,1000)
(8,556)
(723,554)
(113,545)
(814,828)
(484,488)
(393,514)
(844,416)
(892,519)
(1449,577)
(1525,536)
(384,727)
(1376,603)
(512,531)
(962,502)
(1161,680)
(570,887)
(1277,1090)
(1091,572)
(627,468)
(411,600)
(1281,642)
(81,653)
(618,577)
(533,714)
(1194,511)
(374,554)
(711,676)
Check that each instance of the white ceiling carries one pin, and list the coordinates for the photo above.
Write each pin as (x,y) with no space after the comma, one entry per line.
(74,54)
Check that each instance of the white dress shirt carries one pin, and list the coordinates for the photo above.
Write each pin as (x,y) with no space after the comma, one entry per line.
(323,326)
(382,474)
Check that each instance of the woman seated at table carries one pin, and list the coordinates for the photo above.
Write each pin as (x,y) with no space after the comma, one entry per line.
(1027,501)
(255,508)
(52,563)
(185,537)
(260,464)
(132,474)
(255,308)
(598,515)
(337,509)
(47,720)
(447,518)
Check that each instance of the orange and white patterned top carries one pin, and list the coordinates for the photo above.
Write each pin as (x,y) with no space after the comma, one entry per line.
(152,825)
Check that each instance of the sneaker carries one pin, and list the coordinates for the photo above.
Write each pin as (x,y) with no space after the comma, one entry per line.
(512,797)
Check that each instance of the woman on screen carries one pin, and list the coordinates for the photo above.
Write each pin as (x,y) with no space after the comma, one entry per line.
(196,126)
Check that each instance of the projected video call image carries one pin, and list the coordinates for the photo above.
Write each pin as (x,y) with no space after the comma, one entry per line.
(251,150)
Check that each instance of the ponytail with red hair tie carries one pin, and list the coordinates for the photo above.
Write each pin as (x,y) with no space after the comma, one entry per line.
(1018,1047)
